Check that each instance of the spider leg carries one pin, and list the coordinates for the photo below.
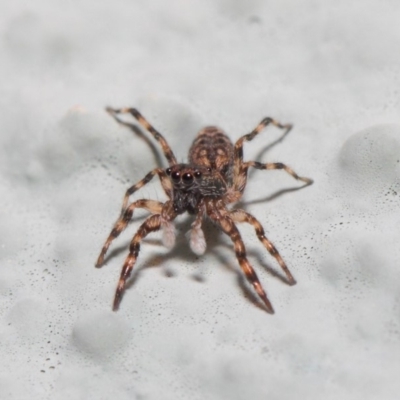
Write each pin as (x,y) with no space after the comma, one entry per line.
(154,207)
(169,155)
(151,224)
(165,182)
(238,152)
(239,167)
(289,170)
(229,227)
(243,216)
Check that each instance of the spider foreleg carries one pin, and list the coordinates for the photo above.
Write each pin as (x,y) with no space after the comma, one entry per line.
(169,155)
(165,183)
(151,224)
(153,206)
(229,227)
(243,216)
(289,170)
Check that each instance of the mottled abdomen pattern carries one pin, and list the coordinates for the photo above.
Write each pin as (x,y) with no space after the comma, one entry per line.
(213,149)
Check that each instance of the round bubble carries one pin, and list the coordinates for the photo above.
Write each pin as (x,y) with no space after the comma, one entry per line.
(100,334)
(370,159)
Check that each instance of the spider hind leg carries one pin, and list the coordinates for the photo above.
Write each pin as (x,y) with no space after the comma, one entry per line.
(229,227)
(243,216)
(151,224)
(277,165)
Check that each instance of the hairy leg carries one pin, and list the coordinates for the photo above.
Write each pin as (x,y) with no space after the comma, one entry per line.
(169,155)
(270,166)
(239,168)
(238,153)
(165,183)
(154,207)
(228,226)
(151,224)
(240,180)
(243,216)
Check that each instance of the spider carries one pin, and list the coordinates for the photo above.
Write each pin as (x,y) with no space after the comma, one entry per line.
(214,177)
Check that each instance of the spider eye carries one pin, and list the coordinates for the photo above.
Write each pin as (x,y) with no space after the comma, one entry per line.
(197,174)
(168,171)
(176,176)
(187,178)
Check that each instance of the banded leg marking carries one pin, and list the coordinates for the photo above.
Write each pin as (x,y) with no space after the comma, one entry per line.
(243,216)
(151,224)
(137,186)
(289,170)
(155,207)
(250,136)
(229,227)
(169,155)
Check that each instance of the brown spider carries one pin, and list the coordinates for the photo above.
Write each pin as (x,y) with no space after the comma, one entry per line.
(215,176)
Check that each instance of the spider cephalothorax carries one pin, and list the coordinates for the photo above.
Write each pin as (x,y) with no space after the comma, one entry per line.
(215,176)
(190,184)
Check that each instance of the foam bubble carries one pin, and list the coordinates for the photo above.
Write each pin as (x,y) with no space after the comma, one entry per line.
(100,334)
(370,159)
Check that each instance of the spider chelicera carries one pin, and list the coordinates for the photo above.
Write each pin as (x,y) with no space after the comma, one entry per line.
(214,177)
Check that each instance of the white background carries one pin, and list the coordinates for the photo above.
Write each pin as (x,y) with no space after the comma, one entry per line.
(189,327)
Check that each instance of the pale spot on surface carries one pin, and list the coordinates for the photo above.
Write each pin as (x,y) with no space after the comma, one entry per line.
(100,334)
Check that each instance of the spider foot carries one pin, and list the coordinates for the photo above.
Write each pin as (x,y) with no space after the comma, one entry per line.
(100,261)
(118,295)
(268,304)
(308,181)
(292,281)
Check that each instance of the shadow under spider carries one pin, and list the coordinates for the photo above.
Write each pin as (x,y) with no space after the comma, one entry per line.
(273,196)
(214,243)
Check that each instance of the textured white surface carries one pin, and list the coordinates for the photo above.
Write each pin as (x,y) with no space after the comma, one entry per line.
(188,328)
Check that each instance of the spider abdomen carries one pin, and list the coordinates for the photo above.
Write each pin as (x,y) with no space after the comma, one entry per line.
(213,149)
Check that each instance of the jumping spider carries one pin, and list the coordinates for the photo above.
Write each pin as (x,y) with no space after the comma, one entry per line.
(214,177)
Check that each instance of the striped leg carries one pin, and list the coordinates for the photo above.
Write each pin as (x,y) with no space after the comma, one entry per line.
(165,182)
(243,216)
(169,155)
(151,224)
(289,170)
(155,207)
(229,227)
(238,155)
(240,169)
